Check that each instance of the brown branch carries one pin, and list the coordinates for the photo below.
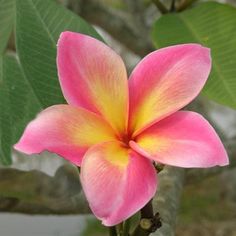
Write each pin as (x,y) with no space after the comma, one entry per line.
(160,6)
(34,192)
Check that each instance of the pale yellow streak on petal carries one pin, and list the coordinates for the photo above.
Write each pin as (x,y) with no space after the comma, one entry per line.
(113,104)
(88,131)
(117,155)
(153,144)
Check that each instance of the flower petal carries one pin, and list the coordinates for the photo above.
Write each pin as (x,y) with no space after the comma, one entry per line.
(94,77)
(184,139)
(117,181)
(165,81)
(65,130)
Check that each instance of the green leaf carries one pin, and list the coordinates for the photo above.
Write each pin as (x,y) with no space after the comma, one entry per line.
(38,26)
(5,124)
(18,105)
(7,16)
(212,25)
(29,83)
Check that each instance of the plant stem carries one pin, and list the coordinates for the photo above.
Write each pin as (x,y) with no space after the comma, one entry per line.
(185,4)
(112,231)
(148,223)
(147,210)
(119,228)
(172,6)
(126,227)
(161,7)
(159,167)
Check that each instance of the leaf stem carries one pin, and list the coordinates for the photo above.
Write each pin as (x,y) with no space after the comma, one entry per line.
(147,210)
(126,227)
(119,228)
(161,7)
(185,4)
(112,231)
(149,222)
(172,6)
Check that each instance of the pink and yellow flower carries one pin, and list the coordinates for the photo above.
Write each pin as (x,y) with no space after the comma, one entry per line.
(116,128)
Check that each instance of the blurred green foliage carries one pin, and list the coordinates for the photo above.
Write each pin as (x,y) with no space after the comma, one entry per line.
(212,25)
(204,201)
(29,82)
(7,17)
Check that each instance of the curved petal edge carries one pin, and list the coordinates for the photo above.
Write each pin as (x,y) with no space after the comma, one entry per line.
(94,77)
(184,139)
(165,81)
(66,131)
(117,181)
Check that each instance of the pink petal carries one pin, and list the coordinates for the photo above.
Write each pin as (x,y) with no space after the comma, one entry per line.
(165,81)
(117,181)
(184,139)
(64,130)
(93,76)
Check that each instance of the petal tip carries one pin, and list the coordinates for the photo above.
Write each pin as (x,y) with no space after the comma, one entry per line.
(17,146)
(21,146)
(62,36)
(202,51)
(67,35)
(207,54)
(106,222)
(224,161)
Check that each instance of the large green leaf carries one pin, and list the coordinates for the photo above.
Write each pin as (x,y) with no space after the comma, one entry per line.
(18,105)
(213,25)
(7,13)
(29,83)
(38,26)
(5,124)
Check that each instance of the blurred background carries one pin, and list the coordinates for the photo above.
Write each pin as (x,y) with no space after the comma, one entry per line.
(41,195)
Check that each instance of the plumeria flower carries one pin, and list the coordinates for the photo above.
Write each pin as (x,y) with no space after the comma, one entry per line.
(116,128)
